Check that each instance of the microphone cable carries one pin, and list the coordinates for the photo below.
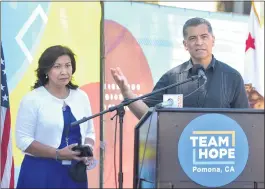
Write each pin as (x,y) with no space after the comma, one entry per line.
(205,81)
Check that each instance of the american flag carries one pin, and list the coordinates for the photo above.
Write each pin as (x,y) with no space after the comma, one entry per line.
(7,161)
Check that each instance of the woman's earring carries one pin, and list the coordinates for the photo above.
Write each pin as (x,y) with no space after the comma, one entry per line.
(46,76)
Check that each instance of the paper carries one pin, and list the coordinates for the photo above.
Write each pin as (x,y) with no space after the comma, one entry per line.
(177,98)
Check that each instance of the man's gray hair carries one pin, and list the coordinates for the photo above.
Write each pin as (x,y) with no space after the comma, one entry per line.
(195,22)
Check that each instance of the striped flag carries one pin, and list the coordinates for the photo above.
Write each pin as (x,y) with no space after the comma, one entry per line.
(254,57)
(7,161)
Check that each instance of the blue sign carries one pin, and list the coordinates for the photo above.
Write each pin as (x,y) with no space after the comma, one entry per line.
(213,150)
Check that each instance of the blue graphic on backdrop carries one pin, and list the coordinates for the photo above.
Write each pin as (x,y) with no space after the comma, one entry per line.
(21,28)
(213,150)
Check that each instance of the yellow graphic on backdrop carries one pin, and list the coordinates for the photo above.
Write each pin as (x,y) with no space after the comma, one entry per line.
(76,25)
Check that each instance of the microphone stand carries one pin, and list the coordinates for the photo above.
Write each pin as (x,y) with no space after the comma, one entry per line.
(121,112)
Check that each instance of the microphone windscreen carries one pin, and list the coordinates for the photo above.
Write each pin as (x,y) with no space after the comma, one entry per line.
(196,68)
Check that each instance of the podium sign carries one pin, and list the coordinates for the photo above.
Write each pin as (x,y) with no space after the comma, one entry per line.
(200,148)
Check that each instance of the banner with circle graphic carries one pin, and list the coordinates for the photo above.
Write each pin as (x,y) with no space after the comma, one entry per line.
(28,28)
(213,150)
(145,41)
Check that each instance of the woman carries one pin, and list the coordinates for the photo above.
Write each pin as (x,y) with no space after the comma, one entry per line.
(43,120)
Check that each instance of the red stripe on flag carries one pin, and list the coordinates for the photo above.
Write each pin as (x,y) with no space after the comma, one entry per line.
(12,179)
(5,141)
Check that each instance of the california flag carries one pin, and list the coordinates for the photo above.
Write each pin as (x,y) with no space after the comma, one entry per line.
(254,57)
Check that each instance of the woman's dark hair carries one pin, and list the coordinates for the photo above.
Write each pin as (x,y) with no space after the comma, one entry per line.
(47,60)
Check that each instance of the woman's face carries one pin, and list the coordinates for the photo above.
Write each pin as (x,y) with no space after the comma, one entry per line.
(61,72)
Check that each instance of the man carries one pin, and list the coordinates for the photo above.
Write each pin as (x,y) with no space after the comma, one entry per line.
(224,87)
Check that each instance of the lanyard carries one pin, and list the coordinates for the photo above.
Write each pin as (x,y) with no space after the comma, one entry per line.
(68,124)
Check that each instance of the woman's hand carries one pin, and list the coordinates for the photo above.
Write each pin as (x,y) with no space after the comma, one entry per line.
(67,153)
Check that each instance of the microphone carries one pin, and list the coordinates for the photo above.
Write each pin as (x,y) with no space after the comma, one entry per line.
(197,69)
(201,73)
(169,102)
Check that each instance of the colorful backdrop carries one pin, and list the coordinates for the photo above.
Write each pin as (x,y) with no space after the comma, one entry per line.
(27,29)
(145,41)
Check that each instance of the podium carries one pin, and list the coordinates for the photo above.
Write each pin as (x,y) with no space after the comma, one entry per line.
(156,161)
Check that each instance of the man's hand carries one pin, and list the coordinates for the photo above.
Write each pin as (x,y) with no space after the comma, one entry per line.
(120,80)
(138,108)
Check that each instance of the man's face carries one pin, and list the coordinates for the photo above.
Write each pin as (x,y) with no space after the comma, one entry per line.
(199,42)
